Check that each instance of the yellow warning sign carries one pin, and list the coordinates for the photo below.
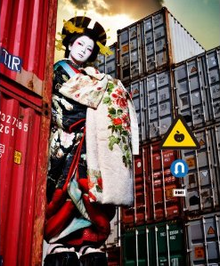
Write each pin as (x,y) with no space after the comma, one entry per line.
(179,136)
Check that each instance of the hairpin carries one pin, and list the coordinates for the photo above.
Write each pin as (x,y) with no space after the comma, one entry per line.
(71,28)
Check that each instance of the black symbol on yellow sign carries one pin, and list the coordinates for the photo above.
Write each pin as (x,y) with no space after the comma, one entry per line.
(179,136)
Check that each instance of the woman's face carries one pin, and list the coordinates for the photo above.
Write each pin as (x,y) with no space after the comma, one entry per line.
(81,49)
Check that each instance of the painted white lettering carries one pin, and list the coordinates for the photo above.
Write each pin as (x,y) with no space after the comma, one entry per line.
(12,62)
(15,65)
(3,117)
(5,59)
(14,120)
(8,119)
(26,127)
(6,129)
(9,61)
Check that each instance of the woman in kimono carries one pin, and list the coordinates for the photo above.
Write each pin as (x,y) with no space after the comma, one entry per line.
(93,135)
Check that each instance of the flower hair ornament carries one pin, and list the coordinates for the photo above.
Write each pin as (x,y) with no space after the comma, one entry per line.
(79,25)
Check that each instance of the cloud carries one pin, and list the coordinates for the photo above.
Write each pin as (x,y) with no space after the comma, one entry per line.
(134,8)
(81,4)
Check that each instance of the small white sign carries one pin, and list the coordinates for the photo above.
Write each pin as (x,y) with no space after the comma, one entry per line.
(179,192)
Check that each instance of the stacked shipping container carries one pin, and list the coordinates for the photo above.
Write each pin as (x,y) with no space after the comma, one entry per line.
(26,62)
(108,64)
(168,73)
(197,95)
(152,44)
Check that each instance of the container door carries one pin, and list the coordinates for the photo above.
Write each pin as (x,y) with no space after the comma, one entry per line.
(19,151)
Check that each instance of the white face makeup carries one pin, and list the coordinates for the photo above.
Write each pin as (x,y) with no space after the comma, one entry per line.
(81,49)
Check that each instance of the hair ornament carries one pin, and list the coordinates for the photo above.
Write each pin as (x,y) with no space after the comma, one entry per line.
(82,19)
(79,24)
(59,45)
(71,28)
(105,50)
(104,32)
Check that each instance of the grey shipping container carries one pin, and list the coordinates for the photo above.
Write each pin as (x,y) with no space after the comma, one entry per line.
(115,233)
(153,43)
(152,96)
(202,182)
(203,240)
(108,64)
(154,245)
(197,88)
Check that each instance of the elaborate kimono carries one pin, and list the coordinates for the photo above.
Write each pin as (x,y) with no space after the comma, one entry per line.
(93,135)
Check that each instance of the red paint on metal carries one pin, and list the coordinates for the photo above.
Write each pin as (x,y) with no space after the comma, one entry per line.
(20,127)
(138,165)
(153,193)
(25,36)
(25,122)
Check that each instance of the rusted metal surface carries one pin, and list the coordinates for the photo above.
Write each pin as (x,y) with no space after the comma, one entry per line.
(25,122)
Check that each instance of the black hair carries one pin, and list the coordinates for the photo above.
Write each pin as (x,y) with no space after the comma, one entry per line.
(97,33)
(73,37)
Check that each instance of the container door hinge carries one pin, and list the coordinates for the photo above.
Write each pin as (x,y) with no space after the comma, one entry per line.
(46,109)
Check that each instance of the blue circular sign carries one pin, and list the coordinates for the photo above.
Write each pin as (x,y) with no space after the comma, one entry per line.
(179,168)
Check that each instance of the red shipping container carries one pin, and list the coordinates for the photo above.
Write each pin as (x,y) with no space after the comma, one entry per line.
(153,193)
(27,55)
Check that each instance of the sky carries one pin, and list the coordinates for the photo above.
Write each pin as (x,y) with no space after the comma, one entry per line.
(200,17)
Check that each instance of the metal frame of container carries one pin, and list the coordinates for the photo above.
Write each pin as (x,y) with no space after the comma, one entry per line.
(202,183)
(212,68)
(203,240)
(27,56)
(153,245)
(153,188)
(108,64)
(197,87)
(154,105)
(114,238)
(153,43)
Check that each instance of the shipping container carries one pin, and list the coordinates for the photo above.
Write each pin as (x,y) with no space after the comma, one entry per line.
(202,183)
(153,100)
(108,64)
(112,245)
(197,89)
(203,180)
(114,256)
(153,43)
(115,233)
(203,240)
(154,198)
(24,41)
(154,245)
(26,65)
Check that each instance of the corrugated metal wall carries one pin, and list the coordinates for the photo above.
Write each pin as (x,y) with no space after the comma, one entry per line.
(19,140)
(26,63)
(23,41)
